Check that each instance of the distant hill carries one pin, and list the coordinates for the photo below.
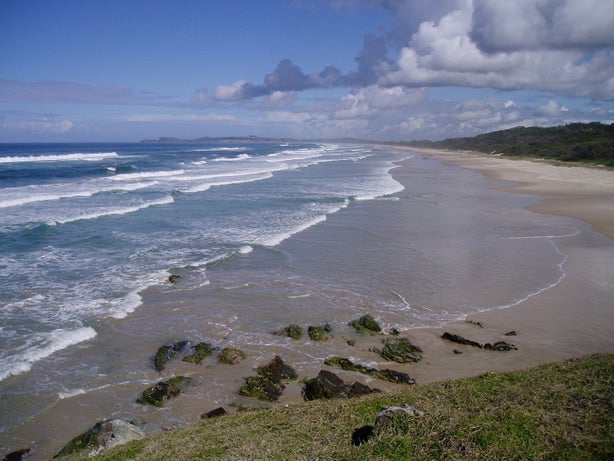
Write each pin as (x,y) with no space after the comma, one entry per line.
(576,142)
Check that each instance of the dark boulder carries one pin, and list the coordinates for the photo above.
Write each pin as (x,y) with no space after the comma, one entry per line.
(220,411)
(362,435)
(400,350)
(500,346)
(173,278)
(511,333)
(328,385)
(460,340)
(268,384)
(160,392)
(103,436)
(367,324)
(18,455)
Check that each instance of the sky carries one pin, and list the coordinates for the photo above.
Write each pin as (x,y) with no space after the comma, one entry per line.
(126,70)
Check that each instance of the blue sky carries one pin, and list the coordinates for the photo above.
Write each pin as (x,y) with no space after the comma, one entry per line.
(85,70)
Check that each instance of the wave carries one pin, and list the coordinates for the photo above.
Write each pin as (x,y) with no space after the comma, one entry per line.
(145,175)
(256,177)
(220,149)
(48,343)
(89,157)
(232,159)
(114,211)
(25,195)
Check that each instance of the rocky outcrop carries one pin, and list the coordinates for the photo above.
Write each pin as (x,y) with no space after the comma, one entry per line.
(292,331)
(268,384)
(386,374)
(173,278)
(103,436)
(159,393)
(366,324)
(400,350)
(328,385)
(198,353)
(165,353)
(18,455)
(231,356)
(500,346)
(319,333)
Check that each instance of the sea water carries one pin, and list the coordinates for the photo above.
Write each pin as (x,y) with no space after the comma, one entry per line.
(261,234)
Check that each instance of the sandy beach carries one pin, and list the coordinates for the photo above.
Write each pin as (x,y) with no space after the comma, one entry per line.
(574,318)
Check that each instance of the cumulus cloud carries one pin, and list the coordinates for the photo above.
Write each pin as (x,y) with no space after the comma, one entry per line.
(35,123)
(287,76)
(369,101)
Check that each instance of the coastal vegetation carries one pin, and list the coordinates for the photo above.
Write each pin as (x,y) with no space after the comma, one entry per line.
(555,411)
(576,142)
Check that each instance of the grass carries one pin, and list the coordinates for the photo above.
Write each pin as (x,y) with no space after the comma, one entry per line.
(561,411)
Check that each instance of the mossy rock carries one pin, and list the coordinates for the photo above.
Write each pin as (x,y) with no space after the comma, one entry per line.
(159,393)
(200,352)
(386,375)
(268,384)
(231,356)
(400,350)
(319,333)
(165,353)
(366,324)
(103,436)
(292,331)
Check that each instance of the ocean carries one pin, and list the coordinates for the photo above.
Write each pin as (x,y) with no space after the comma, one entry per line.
(261,235)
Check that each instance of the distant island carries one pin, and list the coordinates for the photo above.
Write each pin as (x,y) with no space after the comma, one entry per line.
(577,142)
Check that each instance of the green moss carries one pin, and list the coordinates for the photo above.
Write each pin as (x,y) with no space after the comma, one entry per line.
(292,331)
(201,351)
(231,356)
(318,333)
(366,324)
(159,393)
(400,350)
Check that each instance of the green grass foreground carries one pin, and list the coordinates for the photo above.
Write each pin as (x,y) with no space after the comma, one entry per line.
(560,411)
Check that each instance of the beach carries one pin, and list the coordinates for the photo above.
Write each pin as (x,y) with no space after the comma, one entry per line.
(472,245)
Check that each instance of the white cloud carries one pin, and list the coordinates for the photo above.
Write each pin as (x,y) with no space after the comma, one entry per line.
(552,108)
(41,125)
(279,99)
(371,100)
(174,118)
(232,92)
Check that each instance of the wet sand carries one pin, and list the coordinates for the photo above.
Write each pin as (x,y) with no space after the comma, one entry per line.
(572,319)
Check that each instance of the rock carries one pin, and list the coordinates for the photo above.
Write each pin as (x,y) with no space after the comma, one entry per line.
(173,278)
(328,385)
(385,416)
(460,340)
(511,333)
(292,331)
(456,351)
(268,384)
(400,350)
(214,413)
(18,455)
(103,436)
(394,332)
(386,374)
(362,435)
(164,390)
(501,346)
(230,356)
(351,342)
(498,346)
(473,322)
(167,352)
(319,333)
(366,323)
(198,353)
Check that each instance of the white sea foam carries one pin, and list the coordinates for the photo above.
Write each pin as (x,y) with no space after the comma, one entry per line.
(145,175)
(245,249)
(220,149)
(42,346)
(113,211)
(30,194)
(207,186)
(277,239)
(232,159)
(89,157)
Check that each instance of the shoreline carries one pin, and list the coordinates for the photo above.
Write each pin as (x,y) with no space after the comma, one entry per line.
(548,324)
(572,318)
